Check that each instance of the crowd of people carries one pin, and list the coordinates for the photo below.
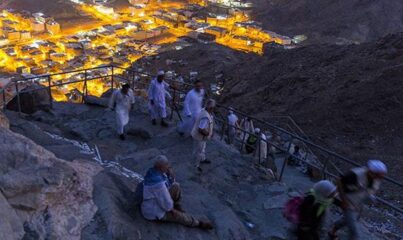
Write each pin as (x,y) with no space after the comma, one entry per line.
(160,194)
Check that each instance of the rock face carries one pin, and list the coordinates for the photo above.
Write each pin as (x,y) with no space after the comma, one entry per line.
(4,121)
(32,99)
(42,197)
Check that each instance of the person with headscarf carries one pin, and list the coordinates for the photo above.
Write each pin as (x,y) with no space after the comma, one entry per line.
(202,131)
(157,93)
(233,125)
(161,197)
(312,210)
(247,127)
(192,107)
(356,187)
(122,101)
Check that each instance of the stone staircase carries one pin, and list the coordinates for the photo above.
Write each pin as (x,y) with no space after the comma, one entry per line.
(242,201)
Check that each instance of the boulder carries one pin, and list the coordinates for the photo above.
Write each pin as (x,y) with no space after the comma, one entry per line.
(107,94)
(99,101)
(11,226)
(32,98)
(4,123)
(42,195)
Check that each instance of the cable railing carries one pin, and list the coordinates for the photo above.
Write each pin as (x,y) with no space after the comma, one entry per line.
(282,142)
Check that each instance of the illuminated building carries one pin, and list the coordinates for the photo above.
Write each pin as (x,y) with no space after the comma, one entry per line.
(37,26)
(58,57)
(25,35)
(137,11)
(23,70)
(13,35)
(9,23)
(53,27)
(216,31)
(136,2)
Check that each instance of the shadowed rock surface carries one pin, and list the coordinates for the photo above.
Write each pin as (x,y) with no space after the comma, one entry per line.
(42,196)
(240,199)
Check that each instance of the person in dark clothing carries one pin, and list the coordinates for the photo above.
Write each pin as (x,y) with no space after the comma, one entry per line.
(312,210)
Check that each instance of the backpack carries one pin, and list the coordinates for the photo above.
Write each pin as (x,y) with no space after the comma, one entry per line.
(249,147)
(291,209)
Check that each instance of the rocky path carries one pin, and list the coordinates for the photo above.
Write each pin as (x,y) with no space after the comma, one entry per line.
(232,192)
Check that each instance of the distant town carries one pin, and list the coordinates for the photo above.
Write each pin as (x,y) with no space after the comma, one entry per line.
(33,44)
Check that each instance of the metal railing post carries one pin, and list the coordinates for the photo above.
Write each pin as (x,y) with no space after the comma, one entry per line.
(285,160)
(223,131)
(50,92)
(4,98)
(324,169)
(243,142)
(260,150)
(85,90)
(18,97)
(173,104)
(112,78)
(133,76)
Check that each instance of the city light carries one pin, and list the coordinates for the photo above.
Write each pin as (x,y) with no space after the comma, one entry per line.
(34,44)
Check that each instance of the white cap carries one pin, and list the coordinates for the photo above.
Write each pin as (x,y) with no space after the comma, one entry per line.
(161,160)
(377,166)
(257,130)
(324,188)
(161,72)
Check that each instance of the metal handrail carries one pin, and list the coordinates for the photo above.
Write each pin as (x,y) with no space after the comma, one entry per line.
(267,124)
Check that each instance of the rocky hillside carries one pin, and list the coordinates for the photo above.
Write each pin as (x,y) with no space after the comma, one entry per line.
(344,97)
(42,196)
(63,11)
(341,21)
(236,195)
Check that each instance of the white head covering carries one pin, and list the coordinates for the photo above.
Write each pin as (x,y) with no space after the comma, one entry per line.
(377,166)
(324,189)
(161,160)
(230,110)
(160,73)
(257,130)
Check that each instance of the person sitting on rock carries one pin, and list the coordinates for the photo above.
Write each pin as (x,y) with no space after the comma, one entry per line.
(162,195)
(356,187)
(122,101)
(313,209)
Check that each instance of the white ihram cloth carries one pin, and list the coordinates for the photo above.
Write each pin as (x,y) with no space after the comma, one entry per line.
(158,92)
(232,120)
(192,107)
(122,105)
(156,201)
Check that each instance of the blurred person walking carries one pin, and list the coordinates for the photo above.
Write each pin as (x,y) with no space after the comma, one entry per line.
(121,101)
(202,131)
(192,107)
(157,93)
(357,186)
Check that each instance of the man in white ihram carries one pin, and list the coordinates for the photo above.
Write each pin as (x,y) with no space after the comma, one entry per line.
(192,107)
(156,95)
(202,131)
(122,101)
(233,125)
